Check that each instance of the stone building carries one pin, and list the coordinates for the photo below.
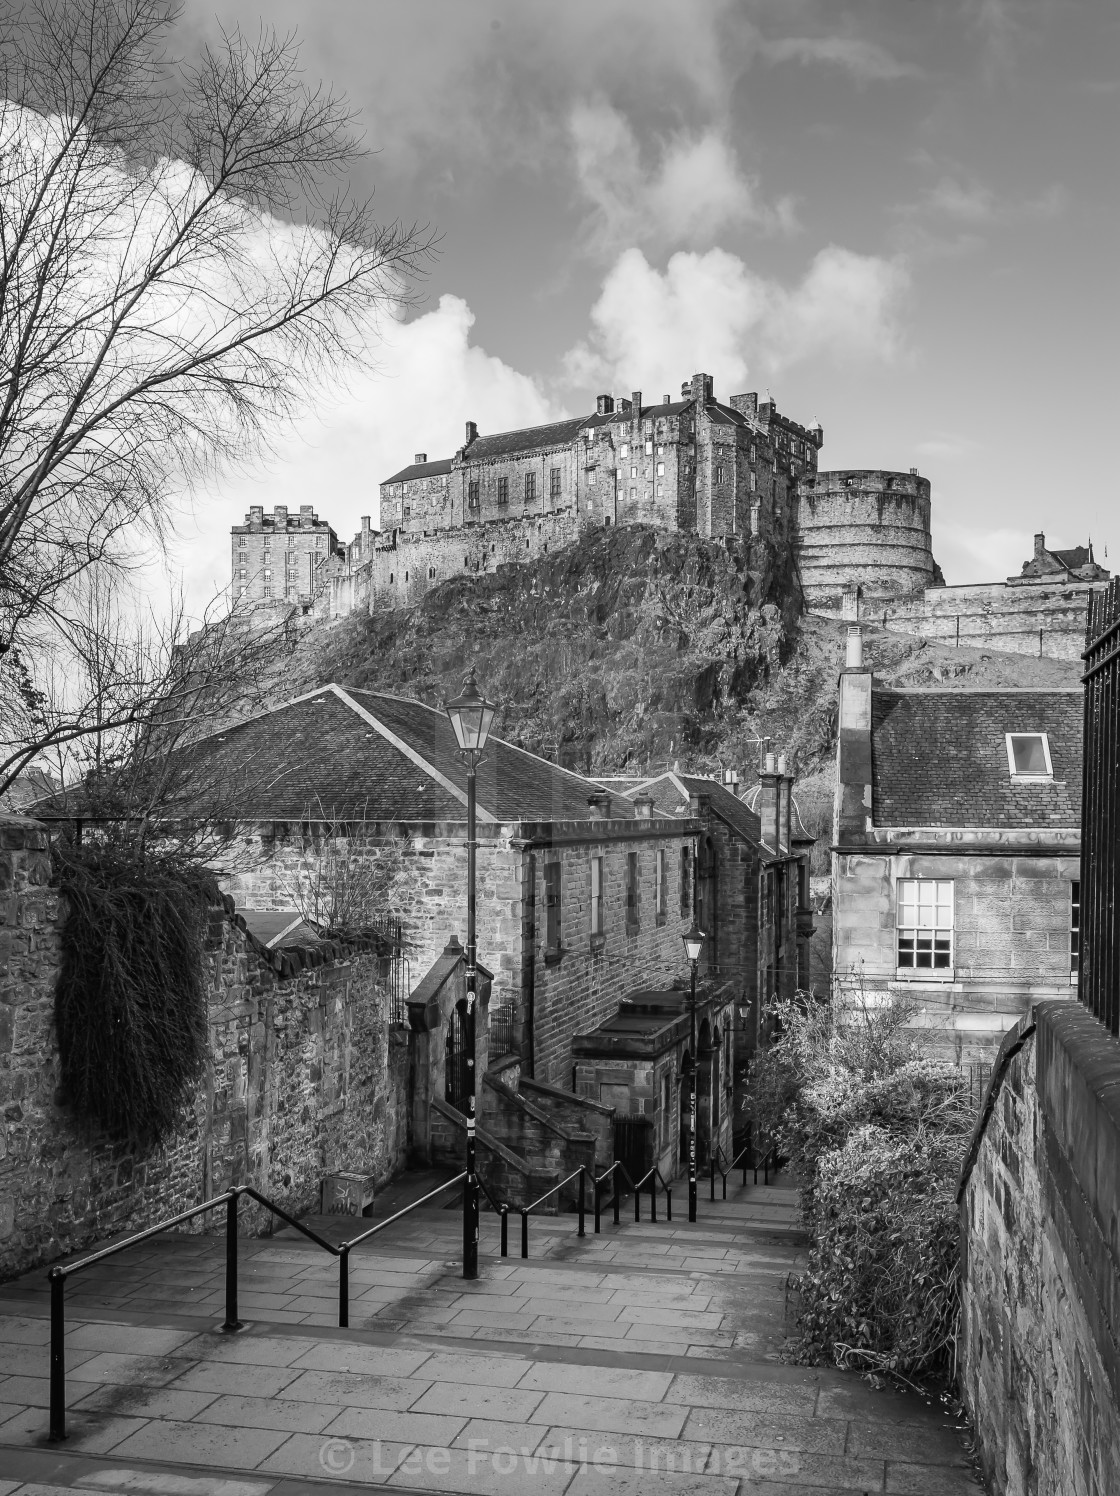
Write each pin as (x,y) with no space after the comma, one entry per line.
(1075,565)
(693,463)
(956,867)
(280,557)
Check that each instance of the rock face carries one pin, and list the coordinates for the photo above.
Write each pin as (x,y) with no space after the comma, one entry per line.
(631,645)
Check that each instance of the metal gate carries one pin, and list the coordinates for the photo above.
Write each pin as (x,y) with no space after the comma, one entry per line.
(633,1144)
(456,1076)
(1099,964)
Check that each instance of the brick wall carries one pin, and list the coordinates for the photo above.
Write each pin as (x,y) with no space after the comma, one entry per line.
(305,1077)
(1039,1348)
(1011,940)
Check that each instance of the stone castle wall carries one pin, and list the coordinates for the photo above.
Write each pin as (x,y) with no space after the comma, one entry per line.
(870,529)
(1039,1343)
(1039,618)
(305,1077)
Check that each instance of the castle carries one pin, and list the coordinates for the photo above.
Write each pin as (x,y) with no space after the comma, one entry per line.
(734,469)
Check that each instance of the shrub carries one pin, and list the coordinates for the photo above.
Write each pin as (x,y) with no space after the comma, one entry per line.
(876,1130)
(130,1006)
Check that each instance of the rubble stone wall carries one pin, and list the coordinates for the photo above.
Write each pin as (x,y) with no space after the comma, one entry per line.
(305,1077)
(1039,1346)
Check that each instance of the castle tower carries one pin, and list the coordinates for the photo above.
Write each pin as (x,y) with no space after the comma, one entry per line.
(864,529)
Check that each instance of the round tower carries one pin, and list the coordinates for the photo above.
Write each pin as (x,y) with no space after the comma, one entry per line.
(867,530)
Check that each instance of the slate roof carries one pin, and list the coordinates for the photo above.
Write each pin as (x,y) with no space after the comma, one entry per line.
(360,755)
(671,791)
(666,408)
(1079,555)
(509,443)
(420,470)
(939,758)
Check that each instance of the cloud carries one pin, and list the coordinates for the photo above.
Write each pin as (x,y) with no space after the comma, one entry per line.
(695,189)
(970,202)
(945,446)
(866,62)
(430,379)
(709,311)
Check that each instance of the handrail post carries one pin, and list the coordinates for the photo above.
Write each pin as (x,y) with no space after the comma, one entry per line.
(524,1233)
(617,1198)
(668,1203)
(712,1173)
(637,1202)
(598,1207)
(653,1198)
(582,1204)
(725,1186)
(232,1322)
(58,1354)
(505,1230)
(344,1286)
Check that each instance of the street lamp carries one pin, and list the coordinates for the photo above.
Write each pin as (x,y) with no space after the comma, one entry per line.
(471,715)
(693,946)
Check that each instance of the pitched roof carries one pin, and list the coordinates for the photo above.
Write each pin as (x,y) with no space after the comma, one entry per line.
(1078,555)
(509,443)
(939,758)
(420,470)
(337,754)
(671,791)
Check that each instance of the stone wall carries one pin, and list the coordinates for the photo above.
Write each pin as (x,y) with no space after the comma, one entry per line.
(1011,940)
(305,1077)
(1044,619)
(1039,1347)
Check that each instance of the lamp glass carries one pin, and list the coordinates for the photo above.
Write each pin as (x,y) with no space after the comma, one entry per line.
(471,716)
(693,942)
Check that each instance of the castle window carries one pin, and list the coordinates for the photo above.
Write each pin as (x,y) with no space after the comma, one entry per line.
(407,510)
(624,450)
(268,589)
(431,572)
(633,472)
(406,576)
(661,451)
(503,490)
(649,449)
(633,923)
(754,481)
(554,483)
(721,472)
(553,905)
(754,452)
(267,575)
(530,487)
(659,488)
(660,469)
(633,493)
(390,579)
(472,496)
(241,542)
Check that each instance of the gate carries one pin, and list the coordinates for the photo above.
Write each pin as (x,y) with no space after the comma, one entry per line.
(1098,977)
(633,1145)
(456,1077)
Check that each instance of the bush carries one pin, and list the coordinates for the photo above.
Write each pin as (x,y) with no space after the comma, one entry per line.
(877,1130)
(130,1006)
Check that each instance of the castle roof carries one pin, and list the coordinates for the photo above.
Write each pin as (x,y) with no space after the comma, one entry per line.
(509,443)
(671,794)
(939,758)
(420,470)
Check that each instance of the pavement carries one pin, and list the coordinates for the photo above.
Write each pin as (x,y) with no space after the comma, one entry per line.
(648,1358)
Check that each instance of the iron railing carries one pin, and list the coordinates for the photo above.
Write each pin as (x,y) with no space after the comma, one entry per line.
(1098,977)
(501,1031)
(58,1274)
(979,1073)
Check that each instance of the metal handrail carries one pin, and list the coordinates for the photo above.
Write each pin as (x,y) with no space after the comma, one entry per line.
(556,1188)
(655,1178)
(58,1274)
(765,1165)
(739,1161)
(503,1211)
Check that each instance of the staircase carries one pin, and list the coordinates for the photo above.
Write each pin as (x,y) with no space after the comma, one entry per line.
(647,1358)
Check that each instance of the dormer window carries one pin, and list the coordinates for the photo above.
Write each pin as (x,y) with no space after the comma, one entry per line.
(1028,757)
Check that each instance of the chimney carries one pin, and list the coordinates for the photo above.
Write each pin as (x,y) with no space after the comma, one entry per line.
(746,405)
(280,514)
(853,808)
(769,808)
(256,512)
(643,804)
(472,433)
(420,457)
(702,389)
(665,400)
(365,524)
(307,512)
(636,403)
(604,405)
(785,803)
(1039,545)
(600,805)
(913,472)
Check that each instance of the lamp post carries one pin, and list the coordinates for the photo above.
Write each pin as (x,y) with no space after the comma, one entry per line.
(693,945)
(471,715)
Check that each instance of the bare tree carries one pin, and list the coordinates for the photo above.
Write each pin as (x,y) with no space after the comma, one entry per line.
(351,874)
(181,263)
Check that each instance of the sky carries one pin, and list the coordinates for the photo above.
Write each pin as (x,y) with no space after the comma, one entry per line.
(899,216)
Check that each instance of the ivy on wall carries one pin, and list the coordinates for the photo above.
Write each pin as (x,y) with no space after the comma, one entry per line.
(131,1005)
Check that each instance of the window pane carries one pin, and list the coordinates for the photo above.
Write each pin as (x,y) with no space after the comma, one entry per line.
(1028,753)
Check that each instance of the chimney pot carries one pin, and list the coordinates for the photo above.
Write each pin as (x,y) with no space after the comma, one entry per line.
(913,472)
(783,765)
(771,763)
(853,658)
(643,804)
(604,405)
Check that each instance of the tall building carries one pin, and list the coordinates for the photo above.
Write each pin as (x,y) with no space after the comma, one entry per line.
(277,557)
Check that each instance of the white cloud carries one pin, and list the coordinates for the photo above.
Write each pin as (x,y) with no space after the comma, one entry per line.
(945,446)
(867,62)
(430,379)
(695,189)
(711,311)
